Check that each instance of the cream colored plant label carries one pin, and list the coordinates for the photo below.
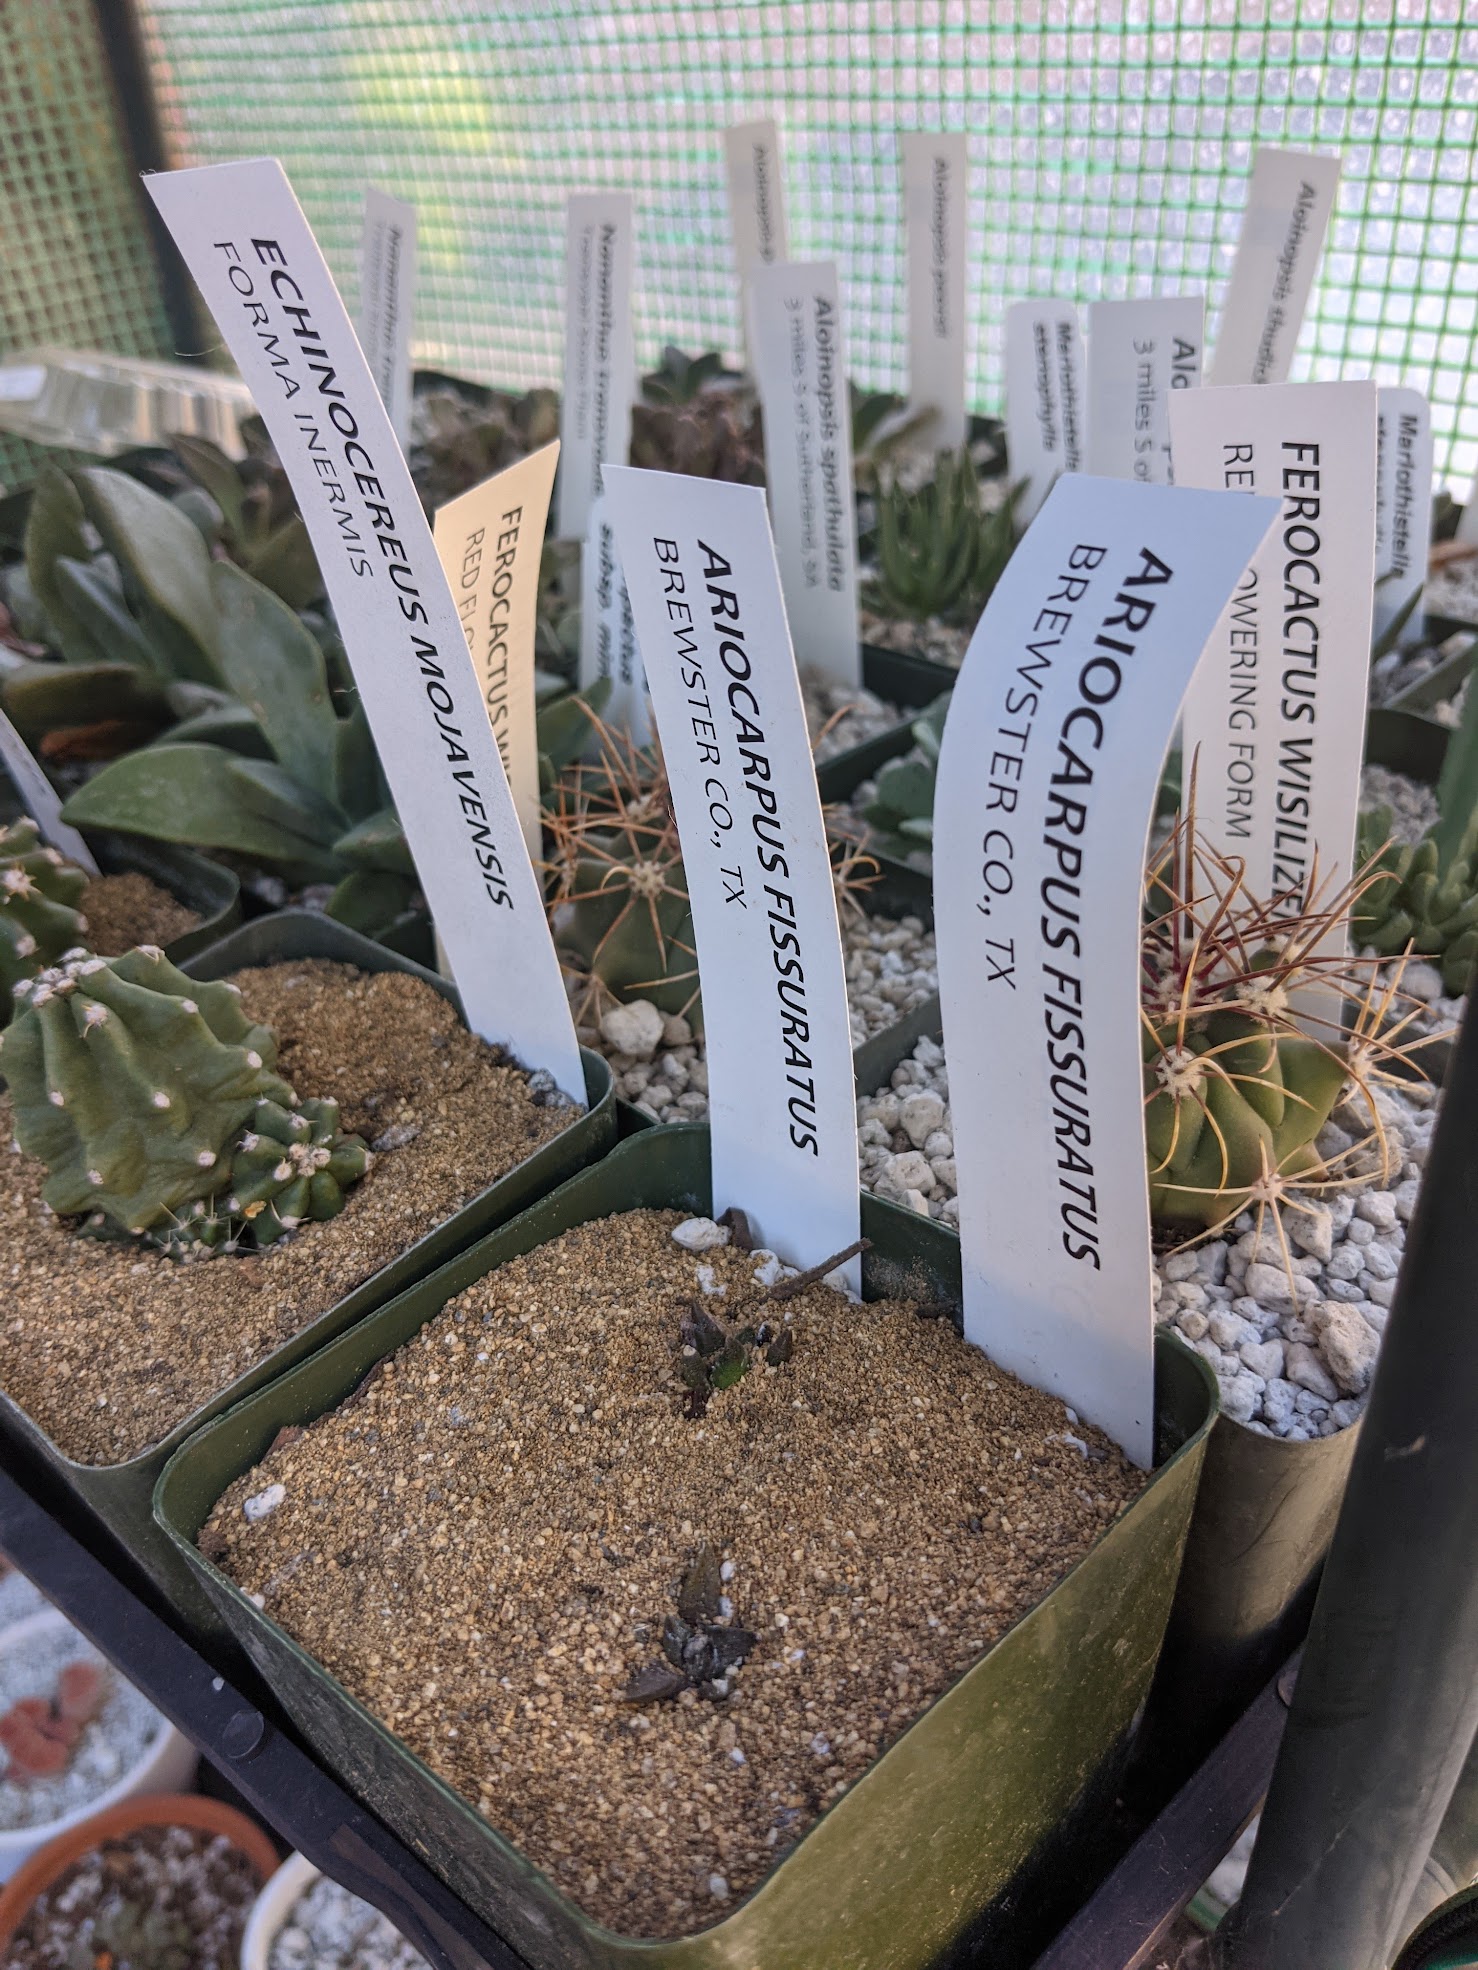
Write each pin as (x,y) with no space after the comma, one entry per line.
(608,645)
(1139,353)
(795,334)
(756,196)
(705,591)
(491,541)
(1403,507)
(1276,716)
(1045,415)
(254,258)
(1288,207)
(936,180)
(1047,779)
(387,295)
(39,799)
(600,353)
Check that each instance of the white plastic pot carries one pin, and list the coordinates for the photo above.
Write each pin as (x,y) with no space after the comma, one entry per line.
(168,1765)
(272,1907)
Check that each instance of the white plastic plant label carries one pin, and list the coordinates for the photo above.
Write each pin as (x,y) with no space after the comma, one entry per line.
(254,258)
(491,541)
(710,618)
(1047,780)
(795,335)
(1275,719)
(600,353)
(1403,507)
(39,799)
(756,196)
(1139,352)
(1288,207)
(387,297)
(936,180)
(1045,433)
(608,647)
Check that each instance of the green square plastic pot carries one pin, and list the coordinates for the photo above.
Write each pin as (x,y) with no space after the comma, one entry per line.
(938,1833)
(118,1496)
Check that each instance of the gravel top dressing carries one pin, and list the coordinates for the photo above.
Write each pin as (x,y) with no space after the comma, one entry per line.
(164,1898)
(330,1929)
(486,1542)
(659,1065)
(19,1597)
(129,909)
(839,716)
(108,1347)
(111,1743)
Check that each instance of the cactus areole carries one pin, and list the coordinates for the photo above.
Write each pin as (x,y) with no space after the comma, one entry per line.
(153,1102)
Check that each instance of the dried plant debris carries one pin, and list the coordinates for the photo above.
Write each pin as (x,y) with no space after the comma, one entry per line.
(653,1650)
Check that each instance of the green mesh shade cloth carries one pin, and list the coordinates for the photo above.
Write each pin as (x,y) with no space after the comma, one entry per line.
(76,263)
(1111,143)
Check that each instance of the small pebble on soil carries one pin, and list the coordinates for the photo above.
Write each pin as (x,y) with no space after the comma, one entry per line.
(108,1747)
(485,1544)
(327,1928)
(839,716)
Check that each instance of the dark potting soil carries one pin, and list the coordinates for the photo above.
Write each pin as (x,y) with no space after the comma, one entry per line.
(129,909)
(108,1346)
(485,1542)
(164,1898)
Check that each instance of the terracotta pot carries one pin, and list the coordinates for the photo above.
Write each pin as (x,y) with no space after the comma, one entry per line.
(115,1823)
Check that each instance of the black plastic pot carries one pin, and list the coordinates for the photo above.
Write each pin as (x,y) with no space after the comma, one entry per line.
(118,1495)
(936,1834)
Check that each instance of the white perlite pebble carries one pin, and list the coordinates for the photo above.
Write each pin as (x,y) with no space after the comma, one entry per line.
(700,1235)
(263,1503)
(921,1115)
(635,1028)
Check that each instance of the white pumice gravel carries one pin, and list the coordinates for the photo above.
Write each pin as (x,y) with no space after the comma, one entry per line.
(1293,1354)
(1413,806)
(18,1596)
(839,716)
(329,1929)
(1398,670)
(659,1065)
(109,1746)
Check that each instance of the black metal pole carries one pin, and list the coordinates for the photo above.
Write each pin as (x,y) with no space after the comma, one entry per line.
(1387,1698)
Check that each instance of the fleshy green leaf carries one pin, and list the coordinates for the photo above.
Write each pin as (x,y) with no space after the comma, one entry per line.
(164,563)
(277,671)
(191,794)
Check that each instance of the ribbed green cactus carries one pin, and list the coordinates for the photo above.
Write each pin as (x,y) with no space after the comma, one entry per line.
(1414,901)
(1253,1033)
(153,1103)
(39,919)
(619,902)
(1231,1102)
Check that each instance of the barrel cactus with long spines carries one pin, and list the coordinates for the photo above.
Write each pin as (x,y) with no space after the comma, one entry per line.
(1255,1028)
(1234,1105)
(39,918)
(153,1101)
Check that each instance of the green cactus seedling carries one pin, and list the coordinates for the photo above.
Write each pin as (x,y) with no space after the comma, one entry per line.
(39,919)
(153,1102)
(1415,903)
